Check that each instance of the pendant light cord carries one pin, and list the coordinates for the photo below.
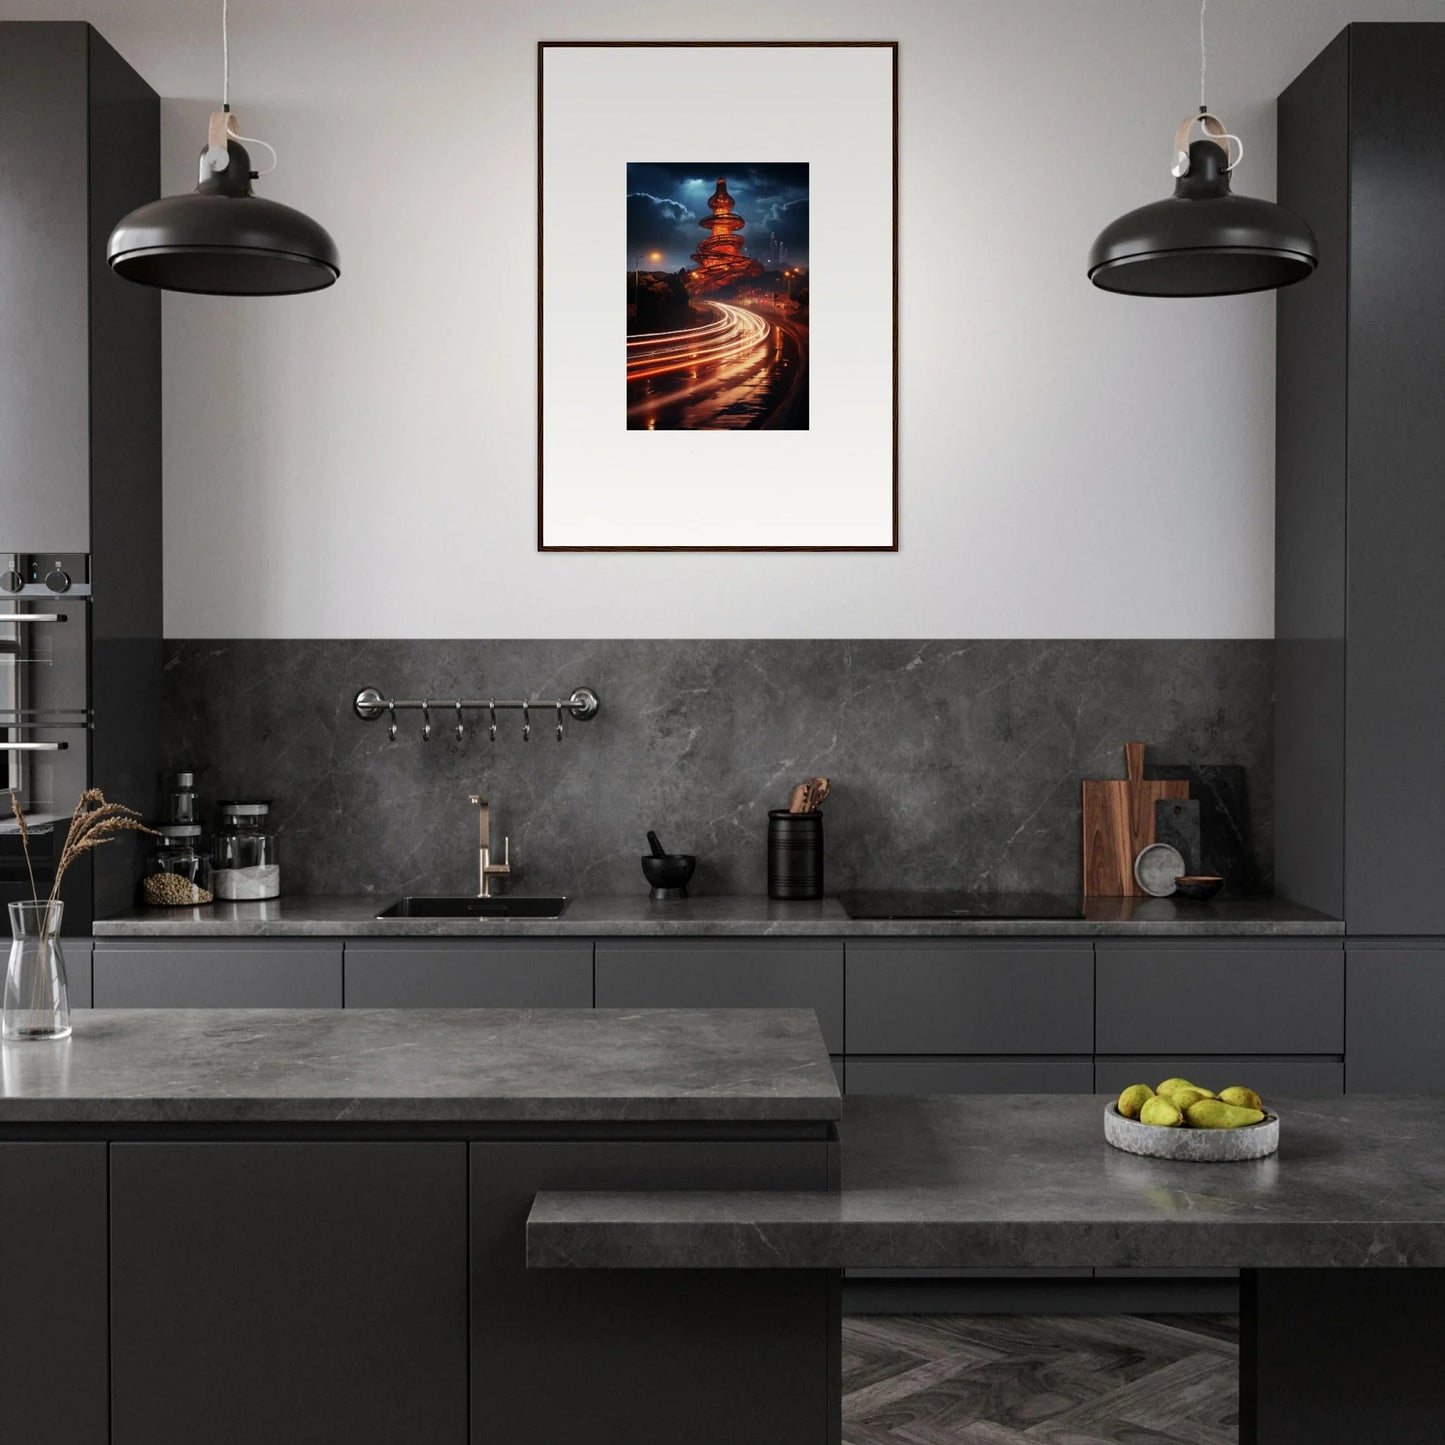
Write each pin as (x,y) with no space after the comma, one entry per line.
(1203,55)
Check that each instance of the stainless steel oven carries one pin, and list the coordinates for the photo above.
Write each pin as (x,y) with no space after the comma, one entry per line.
(45,716)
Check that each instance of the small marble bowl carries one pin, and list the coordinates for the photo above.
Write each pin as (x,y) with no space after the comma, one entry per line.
(1197,1146)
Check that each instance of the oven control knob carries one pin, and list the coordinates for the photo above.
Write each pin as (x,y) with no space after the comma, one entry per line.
(58,580)
(11,581)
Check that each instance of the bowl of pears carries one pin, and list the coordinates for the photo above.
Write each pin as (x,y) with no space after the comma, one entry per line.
(1183,1120)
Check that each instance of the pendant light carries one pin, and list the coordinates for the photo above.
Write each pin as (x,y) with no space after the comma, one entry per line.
(222,239)
(1203,240)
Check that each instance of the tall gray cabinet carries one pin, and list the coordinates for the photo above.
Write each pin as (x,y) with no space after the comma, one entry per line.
(1360,535)
(80,436)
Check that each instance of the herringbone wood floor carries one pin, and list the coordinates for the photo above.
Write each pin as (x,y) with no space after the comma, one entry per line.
(1040,1380)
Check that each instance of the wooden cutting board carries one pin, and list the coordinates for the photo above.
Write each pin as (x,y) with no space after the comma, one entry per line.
(1118,822)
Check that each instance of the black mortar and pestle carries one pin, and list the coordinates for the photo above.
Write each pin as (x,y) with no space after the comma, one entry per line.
(667,872)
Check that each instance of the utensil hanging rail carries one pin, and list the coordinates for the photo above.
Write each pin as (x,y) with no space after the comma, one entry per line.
(371,703)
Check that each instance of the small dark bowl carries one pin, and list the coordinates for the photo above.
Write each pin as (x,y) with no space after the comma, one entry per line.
(1198,885)
(669,874)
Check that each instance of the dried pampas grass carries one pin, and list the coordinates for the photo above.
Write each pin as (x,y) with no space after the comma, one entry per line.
(93,823)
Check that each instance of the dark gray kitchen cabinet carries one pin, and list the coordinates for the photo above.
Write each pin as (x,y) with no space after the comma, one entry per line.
(1241,996)
(1360,512)
(44,301)
(1394,1018)
(83,147)
(54,1363)
(716,973)
(962,996)
(80,426)
(710,1357)
(320,1288)
(218,973)
(77,953)
(970,1076)
(1300,1077)
(468,973)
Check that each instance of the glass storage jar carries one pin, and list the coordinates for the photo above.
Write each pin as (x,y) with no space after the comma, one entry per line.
(178,799)
(178,870)
(244,852)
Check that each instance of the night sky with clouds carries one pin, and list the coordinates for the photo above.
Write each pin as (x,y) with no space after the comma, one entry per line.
(665,202)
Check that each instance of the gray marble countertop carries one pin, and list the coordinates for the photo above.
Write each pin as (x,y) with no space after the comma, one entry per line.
(1027,1181)
(360,1066)
(722,915)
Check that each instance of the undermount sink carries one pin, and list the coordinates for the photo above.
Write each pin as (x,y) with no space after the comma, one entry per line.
(465,907)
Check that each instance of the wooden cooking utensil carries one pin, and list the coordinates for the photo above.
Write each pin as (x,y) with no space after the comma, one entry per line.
(1119,822)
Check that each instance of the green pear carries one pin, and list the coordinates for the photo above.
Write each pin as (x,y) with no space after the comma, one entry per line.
(1133,1099)
(1160,1111)
(1214,1114)
(1183,1098)
(1239,1095)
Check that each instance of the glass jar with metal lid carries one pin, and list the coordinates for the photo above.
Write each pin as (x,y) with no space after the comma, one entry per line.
(178,798)
(178,869)
(244,851)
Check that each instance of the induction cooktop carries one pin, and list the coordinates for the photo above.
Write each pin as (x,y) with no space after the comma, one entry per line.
(943,903)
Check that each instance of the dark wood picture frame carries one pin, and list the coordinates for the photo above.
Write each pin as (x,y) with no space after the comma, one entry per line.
(542,47)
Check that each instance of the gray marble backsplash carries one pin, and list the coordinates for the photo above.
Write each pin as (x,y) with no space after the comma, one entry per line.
(954,764)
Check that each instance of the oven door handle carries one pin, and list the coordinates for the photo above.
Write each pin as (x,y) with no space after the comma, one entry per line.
(33,747)
(33,617)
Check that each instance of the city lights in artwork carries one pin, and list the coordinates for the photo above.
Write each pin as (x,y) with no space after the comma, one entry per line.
(717,327)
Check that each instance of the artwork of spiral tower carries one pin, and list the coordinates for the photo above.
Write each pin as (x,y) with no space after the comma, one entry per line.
(720,259)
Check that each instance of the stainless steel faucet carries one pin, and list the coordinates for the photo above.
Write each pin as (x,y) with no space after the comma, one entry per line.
(486,869)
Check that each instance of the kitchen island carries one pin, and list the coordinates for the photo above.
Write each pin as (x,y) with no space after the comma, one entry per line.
(1341,1235)
(309,1226)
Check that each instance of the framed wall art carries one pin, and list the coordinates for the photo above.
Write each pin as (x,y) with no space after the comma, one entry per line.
(717,296)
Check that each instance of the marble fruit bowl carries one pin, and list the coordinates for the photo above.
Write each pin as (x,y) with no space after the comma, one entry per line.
(1198,1146)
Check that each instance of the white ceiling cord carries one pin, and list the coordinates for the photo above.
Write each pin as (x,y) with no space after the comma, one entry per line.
(1203,54)
(218,160)
(1213,128)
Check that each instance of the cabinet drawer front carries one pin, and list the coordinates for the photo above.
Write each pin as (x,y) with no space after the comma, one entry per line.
(970,1076)
(77,969)
(929,997)
(193,975)
(288,1292)
(1396,1002)
(707,974)
(452,974)
(1238,998)
(1274,1077)
(53,1239)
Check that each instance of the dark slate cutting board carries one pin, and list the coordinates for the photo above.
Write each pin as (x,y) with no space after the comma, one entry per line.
(1224,831)
(1176,822)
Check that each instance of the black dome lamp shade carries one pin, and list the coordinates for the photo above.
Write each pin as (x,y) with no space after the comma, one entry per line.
(1203,240)
(222,239)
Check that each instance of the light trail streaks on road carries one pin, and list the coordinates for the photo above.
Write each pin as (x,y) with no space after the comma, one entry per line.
(736,333)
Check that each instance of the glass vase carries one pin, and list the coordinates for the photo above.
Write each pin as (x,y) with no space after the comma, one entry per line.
(37,999)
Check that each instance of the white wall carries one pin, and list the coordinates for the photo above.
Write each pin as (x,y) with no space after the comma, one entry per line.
(361,463)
